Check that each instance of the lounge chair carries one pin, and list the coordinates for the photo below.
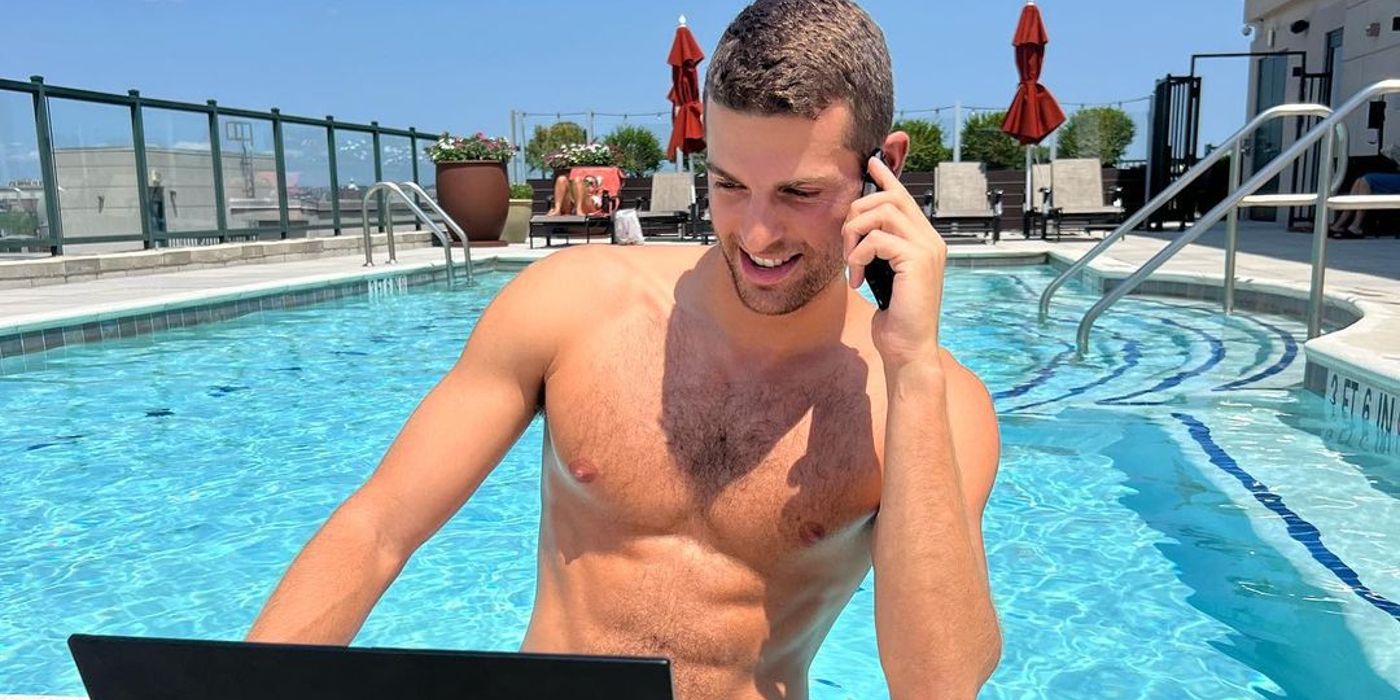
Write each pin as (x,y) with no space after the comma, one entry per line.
(1077,196)
(597,223)
(672,202)
(962,202)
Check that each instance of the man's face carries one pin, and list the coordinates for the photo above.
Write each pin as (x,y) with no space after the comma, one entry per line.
(780,187)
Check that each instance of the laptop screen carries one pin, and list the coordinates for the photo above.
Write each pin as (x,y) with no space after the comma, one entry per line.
(122,668)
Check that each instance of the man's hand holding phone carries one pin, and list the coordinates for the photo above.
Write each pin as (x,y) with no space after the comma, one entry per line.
(890,225)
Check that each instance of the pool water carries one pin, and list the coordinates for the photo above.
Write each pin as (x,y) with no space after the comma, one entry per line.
(1174,516)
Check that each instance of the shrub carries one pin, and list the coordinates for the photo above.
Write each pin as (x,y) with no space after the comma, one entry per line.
(550,139)
(984,141)
(638,150)
(926,148)
(1097,132)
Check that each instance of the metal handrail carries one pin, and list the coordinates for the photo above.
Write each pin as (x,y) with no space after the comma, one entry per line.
(389,229)
(1231,145)
(1232,221)
(451,223)
(1326,132)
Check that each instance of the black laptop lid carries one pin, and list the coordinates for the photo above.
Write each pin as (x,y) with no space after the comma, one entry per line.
(127,668)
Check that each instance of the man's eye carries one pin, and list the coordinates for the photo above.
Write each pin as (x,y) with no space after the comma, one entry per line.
(801,193)
(726,185)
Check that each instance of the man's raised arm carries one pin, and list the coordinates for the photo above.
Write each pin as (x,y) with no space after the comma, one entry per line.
(934,620)
(455,437)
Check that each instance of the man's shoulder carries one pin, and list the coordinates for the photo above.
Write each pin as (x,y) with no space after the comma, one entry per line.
(607,271)
(965,388)
(589,281)
(973,419)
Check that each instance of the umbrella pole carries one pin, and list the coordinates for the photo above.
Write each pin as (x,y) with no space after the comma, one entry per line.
(1030,195)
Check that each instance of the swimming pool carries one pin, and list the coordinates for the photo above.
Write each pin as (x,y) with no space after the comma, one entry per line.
(1174,517)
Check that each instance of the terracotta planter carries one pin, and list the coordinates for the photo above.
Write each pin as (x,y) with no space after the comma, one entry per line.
(476,194)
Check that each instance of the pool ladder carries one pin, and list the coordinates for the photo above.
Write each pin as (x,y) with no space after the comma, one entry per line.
(1330,132)
(397,189)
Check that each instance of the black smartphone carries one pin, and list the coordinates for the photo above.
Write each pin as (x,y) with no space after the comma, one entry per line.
(879,276)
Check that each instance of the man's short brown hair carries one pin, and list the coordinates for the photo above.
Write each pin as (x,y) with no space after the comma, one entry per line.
(800,57)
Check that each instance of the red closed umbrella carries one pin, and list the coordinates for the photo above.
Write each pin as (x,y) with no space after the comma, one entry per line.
(1034,113)
(687,112)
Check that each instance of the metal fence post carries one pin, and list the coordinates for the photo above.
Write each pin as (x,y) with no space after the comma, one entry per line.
(335,177)
(47,168)
(143,170)
(280,160)
(413,158)
(216,154)
(514,164)
(957,131)
(381,200)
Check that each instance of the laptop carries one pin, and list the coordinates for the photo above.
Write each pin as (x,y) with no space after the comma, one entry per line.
(123,668)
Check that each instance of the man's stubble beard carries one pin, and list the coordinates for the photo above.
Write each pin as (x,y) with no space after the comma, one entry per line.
(820,268)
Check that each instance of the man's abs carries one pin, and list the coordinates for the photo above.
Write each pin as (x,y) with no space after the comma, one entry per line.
(722,629)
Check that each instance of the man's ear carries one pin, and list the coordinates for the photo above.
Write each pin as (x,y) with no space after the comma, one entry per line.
(896,149)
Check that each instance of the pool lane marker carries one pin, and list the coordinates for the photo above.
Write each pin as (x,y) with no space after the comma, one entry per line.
(1302,531)
(1290,352)
(1041,376)
(1217,353)
(1132,353)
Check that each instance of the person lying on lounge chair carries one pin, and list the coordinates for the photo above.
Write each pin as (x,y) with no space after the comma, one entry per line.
(570,197)
(1348,223)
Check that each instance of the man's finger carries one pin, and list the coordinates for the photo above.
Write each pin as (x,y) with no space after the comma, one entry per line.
(903,200)
(884,177)
(875,244)
(885,217)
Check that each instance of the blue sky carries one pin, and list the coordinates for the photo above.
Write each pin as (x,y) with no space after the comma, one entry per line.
(465,65)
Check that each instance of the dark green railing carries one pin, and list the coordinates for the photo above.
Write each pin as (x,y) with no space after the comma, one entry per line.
(53,238)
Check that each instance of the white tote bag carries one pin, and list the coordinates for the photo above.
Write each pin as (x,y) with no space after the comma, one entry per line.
(627,226)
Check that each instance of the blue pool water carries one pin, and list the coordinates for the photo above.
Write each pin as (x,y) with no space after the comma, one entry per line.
(1174,517)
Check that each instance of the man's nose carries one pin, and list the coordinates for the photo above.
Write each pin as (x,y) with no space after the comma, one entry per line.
(760,227)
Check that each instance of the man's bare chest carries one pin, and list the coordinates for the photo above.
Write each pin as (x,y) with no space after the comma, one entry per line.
(657,432)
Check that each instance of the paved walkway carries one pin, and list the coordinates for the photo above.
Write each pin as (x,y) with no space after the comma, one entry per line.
(1363,273)
(26,305)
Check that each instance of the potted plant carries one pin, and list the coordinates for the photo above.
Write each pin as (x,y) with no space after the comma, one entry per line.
(471,183)
(522,198)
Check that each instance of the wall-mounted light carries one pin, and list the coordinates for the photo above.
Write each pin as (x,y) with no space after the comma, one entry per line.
(1373,29)
(1247,30)
(1300,26)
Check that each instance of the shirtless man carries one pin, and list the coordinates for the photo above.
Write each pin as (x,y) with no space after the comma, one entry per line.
(720,432)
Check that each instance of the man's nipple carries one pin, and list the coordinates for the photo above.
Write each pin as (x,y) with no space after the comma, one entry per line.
(583,470)
(812,533)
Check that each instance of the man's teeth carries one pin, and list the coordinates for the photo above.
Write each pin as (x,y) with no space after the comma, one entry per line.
(768,262)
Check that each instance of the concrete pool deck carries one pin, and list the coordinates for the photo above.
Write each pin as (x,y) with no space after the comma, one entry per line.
(1362,284)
